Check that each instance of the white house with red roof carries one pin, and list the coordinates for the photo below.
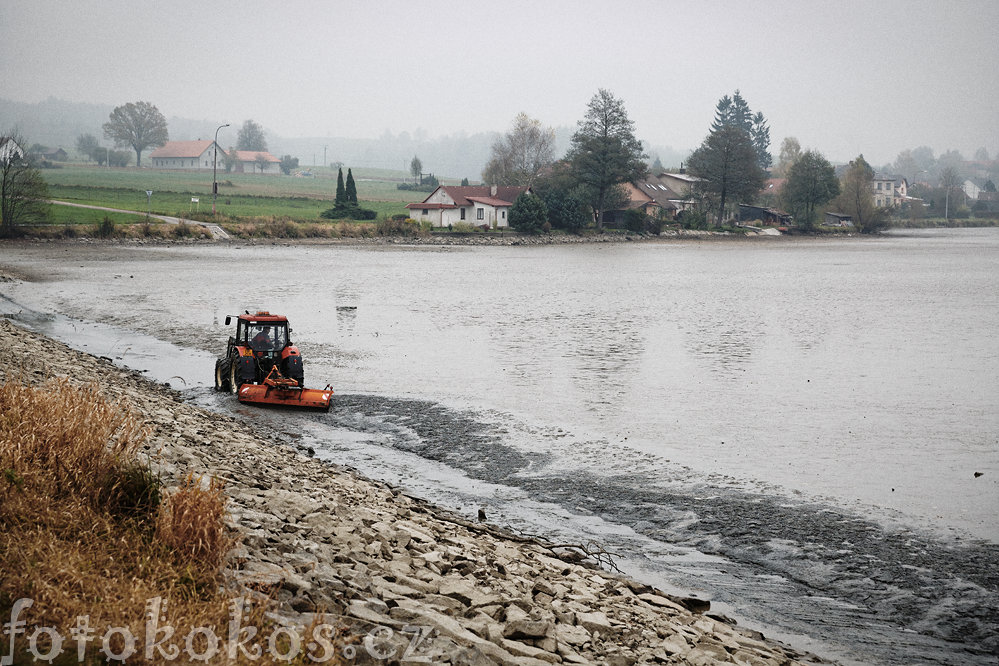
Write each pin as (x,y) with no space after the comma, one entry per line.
(478,205)
(256,161)
(190,155)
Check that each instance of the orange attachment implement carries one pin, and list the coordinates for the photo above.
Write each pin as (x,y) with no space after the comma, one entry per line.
(279,390)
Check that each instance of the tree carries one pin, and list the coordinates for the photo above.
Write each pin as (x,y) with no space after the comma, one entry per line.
(23,192)
(528,213)
(727,163)
(857,200)
(288,163)
(811,183)
(604,151)
(982,154)
(790,151)
(416,169)
(734,111)
(950,178)
(229,159)
(519,157)
(87,146)
(464,182)
(350,189)
(139,125)
(341,191)
(761,141)
(251,137)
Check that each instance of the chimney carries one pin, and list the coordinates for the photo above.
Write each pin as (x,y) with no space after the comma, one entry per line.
(492,191)
(682,170)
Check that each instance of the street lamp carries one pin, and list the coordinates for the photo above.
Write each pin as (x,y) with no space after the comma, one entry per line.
(215,156)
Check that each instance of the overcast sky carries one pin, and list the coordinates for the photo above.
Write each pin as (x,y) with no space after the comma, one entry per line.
(843,77)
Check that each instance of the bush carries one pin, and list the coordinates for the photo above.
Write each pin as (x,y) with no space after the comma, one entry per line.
(192,522)
(634,220)
(348,211)
(396,227)
(105,228)
(528,213)
(692,219)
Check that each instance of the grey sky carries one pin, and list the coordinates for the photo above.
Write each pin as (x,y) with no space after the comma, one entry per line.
(843,77)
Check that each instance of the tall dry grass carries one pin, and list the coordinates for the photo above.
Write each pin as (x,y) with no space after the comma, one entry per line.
(84,530)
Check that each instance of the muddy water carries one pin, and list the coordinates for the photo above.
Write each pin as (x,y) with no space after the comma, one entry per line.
(792,428)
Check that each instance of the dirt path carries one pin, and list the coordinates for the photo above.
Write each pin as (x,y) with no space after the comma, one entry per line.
(217,232)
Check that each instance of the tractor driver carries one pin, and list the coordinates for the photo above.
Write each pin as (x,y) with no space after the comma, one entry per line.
(262,340)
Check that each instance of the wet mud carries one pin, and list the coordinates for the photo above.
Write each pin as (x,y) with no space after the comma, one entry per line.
(877,593)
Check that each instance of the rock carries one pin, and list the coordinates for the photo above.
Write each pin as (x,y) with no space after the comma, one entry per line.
(523,629)
(594,622)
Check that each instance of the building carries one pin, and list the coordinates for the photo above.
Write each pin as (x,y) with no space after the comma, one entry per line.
(654,197)
(256,161)
(190,155)
(478,205)
(838,220)
(9,148)
(764,216)
(889,191)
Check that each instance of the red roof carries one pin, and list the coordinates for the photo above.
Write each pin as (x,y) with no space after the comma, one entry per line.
(251,155)
(182,149)
(462,193)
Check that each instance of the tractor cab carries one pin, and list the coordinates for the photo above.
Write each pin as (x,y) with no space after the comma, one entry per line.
(263,333)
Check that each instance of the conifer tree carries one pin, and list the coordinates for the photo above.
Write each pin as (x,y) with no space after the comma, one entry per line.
(351,189)
(341,192)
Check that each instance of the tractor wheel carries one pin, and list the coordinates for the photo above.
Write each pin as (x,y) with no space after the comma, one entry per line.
(221,375)
(234,378)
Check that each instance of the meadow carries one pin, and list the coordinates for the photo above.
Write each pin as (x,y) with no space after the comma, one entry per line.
(240,195)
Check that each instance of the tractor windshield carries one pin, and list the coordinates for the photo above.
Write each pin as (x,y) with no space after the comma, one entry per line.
(267,337)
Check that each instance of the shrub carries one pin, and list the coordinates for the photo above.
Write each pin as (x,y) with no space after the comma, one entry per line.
(105,228)
(396,227)
(349,211)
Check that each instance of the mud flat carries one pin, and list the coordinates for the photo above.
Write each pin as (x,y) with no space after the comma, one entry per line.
(317,538)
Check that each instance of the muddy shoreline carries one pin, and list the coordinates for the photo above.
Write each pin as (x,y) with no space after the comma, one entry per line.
(316,537)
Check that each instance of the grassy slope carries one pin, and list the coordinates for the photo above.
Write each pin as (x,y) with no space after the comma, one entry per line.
(243,195)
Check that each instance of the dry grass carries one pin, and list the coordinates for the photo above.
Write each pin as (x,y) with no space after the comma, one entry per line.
(190,522)
(83,531)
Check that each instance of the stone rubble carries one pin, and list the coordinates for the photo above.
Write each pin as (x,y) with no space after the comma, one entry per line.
(317,538)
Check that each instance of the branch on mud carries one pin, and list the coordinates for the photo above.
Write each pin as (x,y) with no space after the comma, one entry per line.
(590,549)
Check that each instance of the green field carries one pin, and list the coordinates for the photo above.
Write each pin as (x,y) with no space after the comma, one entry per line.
(240,195)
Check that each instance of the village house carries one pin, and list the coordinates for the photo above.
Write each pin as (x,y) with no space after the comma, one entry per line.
(889,191)
(764,216)
(190,155)
(478,205)
(9,148)
(256,161)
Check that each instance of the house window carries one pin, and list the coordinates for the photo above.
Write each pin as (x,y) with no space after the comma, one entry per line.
(480,214)
(425,211)
(463,213)
(504,215)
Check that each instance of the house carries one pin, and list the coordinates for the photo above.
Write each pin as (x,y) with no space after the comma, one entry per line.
(838,220)
(190,155)
(256,161)
(889,191)
(653,197)
(57,155)
(9,148)
(769,217)
(682,183)
(479,205)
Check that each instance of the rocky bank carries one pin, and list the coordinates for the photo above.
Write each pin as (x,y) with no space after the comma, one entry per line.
(312,537)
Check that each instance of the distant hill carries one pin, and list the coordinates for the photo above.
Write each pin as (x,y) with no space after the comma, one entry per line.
(56,123)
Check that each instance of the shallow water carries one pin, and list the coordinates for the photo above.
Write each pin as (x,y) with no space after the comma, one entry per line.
(791,427)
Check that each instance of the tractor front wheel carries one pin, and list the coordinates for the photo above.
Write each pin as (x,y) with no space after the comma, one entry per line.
(221,375)
(234,378)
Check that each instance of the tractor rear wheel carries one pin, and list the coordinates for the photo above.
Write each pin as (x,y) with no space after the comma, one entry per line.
(221,375)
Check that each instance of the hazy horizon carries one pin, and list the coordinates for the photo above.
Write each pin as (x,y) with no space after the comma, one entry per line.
(843,78)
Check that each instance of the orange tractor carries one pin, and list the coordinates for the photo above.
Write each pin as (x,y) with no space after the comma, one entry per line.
(262,366)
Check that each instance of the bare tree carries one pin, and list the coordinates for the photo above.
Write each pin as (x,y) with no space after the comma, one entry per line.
(950,178)
(262,160)
(139,125)
(522,154)
(23,192)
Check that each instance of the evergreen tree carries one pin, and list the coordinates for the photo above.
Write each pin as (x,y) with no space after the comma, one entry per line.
(341,192)
(351,189)
(735,111)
